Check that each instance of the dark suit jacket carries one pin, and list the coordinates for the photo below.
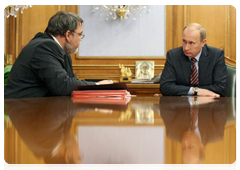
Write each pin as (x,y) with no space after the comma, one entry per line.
(42,69)
(175,78)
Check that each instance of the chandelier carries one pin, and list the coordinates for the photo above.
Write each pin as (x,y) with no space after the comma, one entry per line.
(13,9)
(123,11)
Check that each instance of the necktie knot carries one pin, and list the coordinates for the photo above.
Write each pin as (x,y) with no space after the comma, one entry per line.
(194,60)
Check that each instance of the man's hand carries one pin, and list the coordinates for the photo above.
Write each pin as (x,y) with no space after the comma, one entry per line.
(205,92)
(105,82)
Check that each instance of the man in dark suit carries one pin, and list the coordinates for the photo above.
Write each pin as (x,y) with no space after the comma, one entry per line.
(44,66)
(210,67)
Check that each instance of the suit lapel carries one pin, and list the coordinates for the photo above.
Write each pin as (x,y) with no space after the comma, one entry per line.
(203,64)
(186,67)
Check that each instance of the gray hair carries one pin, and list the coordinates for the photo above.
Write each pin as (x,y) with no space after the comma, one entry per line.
(196,26)
(61,22)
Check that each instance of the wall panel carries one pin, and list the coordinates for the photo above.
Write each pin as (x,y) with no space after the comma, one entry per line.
(219,21)
(35,20)
(214,20)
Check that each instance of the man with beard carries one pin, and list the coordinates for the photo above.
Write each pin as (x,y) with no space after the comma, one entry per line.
(44,66)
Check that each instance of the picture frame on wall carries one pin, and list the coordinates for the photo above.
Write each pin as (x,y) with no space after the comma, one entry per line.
(144,70)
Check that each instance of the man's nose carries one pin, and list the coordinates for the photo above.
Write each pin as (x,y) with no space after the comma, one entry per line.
(186,46)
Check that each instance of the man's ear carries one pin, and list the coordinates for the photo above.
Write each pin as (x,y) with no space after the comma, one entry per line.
(204,42)
(68,36)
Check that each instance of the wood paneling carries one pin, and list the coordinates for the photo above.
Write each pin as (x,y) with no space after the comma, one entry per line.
(37,21)
(221,33)
(215,20)
(232,33)
(174,25)
(10,37)
(20,30)
(219,21)
(108,67)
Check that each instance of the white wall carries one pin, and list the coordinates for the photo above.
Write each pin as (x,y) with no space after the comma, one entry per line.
(144,36)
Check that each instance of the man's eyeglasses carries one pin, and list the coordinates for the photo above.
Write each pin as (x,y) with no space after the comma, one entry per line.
(80,34)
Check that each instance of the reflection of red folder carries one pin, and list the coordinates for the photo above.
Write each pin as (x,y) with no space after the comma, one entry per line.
(101,100)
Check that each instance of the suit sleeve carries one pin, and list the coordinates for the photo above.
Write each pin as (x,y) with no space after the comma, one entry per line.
(48,67)
(168,81)
(219,76)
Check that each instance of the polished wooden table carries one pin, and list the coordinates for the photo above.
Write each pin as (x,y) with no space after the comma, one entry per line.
(146,130)
(143,89)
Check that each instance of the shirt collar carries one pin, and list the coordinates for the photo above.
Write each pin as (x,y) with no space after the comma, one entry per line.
(55,39)
(197,57)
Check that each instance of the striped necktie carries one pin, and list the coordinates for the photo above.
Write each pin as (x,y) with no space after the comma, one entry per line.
(193,116)
(194,74)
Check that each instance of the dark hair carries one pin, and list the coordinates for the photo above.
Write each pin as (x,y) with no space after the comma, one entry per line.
(61,22)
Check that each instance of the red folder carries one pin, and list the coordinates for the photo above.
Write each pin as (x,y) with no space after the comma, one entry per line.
(101,93)
(101,96)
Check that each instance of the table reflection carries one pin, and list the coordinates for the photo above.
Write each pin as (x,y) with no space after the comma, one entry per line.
(211,117)
(60,130)
(44,125)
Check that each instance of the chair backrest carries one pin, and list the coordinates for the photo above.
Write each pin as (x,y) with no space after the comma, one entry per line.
(7,70)
(231,90)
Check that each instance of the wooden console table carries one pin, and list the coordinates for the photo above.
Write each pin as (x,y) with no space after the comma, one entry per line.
(143,89)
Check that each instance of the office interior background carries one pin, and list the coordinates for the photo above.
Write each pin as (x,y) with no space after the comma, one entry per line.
(218,20)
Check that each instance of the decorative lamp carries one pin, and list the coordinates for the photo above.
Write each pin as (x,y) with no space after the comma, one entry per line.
(13,9)
(123,11)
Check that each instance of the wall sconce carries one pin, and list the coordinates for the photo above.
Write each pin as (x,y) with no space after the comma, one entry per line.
(123,11)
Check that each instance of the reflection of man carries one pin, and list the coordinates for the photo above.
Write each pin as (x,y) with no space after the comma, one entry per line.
(211,120)
(194,68)
(193,150)
(44,125)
